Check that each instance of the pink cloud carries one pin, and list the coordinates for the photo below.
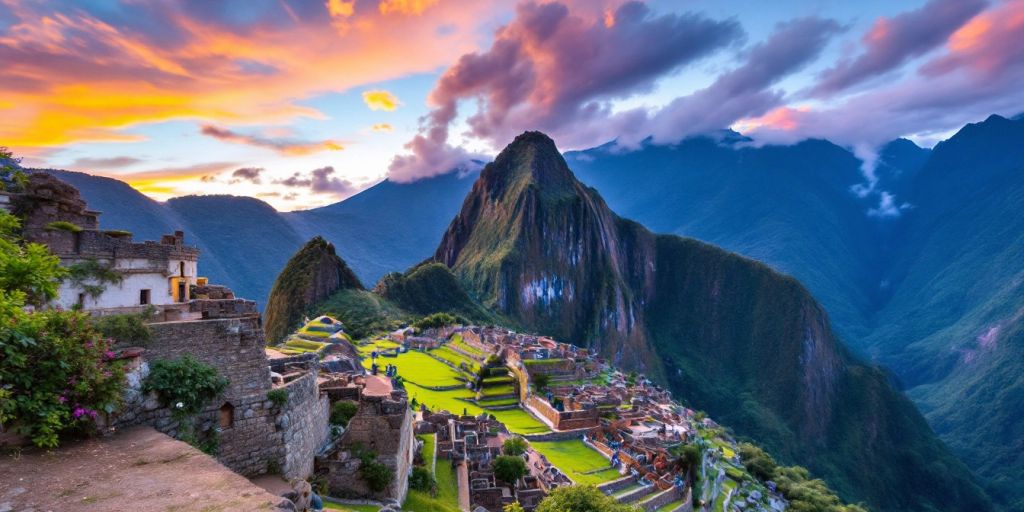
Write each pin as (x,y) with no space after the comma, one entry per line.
(554,69)
(891,42)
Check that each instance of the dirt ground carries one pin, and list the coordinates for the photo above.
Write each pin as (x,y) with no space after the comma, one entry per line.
(137,469)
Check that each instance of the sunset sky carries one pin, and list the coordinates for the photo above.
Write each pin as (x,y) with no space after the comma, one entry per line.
(303,103)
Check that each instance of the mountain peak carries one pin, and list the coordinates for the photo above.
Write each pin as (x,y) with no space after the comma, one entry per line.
(530,159)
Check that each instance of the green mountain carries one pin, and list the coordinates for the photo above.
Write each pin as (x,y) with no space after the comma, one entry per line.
(952,328)
(727,334)
(311,276)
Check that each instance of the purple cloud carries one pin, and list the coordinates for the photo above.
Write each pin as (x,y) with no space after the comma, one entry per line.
(553,70)
(891,42)
(742,92)
(250,174)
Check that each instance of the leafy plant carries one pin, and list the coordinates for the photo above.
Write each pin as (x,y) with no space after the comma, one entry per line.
(435,321)
(26,270)
(376,475)
(12,177)
(582,498)
(508,468)
(185,385)
(56,373)
(63,225)
(514,446)
(125,328)
(278,397)
(421,479)
(92,277)
(541,381)
(342,412)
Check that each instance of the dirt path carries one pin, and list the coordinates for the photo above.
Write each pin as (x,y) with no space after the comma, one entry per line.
(137,469)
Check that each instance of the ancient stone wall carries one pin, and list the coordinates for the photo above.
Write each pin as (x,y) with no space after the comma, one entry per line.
(304,425)
(384,426)
(564,420)
(254,435)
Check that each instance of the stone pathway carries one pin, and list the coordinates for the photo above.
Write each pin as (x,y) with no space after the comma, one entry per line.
(135,469)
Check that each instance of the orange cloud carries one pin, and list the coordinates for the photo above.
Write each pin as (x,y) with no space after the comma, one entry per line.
(284,146)
(71,77)
(381,100)
(382,127)
(406,7)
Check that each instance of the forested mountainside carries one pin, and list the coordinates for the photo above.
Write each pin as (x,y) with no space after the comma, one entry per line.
(733,336)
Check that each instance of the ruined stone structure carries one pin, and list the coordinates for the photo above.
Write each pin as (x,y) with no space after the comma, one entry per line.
(152,274)
(383,426)
(253,434)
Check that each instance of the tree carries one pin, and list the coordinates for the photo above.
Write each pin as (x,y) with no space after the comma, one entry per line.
(541,381)
(509,469)
(578,498)
(27,269)
(514,446)
(343,411)
(57,373)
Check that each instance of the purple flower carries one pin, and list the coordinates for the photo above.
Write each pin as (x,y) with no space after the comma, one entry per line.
(62,399)
(78,413)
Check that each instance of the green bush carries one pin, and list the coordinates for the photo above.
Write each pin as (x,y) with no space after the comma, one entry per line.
(376,475)
(93,277)
(278,397)
(342,412)
(509,469)
(63,225)
(421,479)
(57,373)
(582,498)
(125,328)
(435,321)
(514,446)
(185,385)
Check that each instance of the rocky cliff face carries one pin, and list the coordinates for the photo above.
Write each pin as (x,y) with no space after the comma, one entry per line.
(536,245)
(726,333)
(312,275)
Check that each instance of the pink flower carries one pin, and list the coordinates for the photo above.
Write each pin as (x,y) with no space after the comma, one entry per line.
(62,399)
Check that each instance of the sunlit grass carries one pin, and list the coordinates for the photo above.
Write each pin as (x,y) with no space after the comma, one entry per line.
(576,460)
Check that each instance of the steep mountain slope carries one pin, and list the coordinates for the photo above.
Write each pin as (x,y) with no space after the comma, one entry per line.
(431,288)
(789,206)
(312,275)
(728,334)
(953,327)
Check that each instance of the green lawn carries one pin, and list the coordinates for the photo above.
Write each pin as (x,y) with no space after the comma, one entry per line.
(498,390)
(456,359)
(419,368)
(428,448)
(447,499)
(574,459)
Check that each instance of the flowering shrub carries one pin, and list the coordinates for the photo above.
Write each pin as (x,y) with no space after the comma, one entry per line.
(57,374)
(185,385)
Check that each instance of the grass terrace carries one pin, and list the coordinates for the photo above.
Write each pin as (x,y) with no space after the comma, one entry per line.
(506,389)
(419,368)
(350,508)
(541,362)
(456,341)
(578,461)
(456,359)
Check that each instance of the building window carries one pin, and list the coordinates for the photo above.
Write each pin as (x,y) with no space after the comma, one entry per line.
(227,415)
(143,297)
(181,268)
(81,300)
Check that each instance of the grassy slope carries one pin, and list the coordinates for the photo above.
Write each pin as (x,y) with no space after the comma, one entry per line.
(431,288)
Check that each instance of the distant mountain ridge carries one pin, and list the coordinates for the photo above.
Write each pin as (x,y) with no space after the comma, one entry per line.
(245,242)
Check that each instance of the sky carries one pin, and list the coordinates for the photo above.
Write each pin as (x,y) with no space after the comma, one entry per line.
(304,103)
